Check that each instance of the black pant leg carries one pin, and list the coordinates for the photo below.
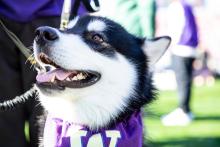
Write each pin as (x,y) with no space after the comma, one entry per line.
(183,72)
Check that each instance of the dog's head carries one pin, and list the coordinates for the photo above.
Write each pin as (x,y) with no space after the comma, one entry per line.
(96,73)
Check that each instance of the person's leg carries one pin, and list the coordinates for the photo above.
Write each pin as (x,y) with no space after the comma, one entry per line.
(187,87)
(183,71)
(11,122)
(33,108)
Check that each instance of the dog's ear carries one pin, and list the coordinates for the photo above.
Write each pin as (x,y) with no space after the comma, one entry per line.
(155,48)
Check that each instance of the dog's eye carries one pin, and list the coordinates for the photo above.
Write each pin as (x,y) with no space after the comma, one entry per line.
(97,38)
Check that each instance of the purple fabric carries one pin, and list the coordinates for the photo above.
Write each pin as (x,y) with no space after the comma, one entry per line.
(189,36)
(26,10)
(60,133)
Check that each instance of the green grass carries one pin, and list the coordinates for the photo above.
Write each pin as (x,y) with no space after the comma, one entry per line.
(204,131)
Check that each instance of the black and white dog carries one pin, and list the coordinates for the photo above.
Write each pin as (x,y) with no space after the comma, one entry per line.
(96,79)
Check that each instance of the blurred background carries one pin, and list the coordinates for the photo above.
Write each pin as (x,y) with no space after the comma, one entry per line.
(204,130)
(196,105)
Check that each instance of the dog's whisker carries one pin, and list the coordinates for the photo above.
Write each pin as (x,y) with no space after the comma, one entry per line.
(38,104)
(30,47)
(30,59)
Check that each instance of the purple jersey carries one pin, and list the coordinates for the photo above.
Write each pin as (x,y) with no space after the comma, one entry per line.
(189,34)
(27,10)
(60,133)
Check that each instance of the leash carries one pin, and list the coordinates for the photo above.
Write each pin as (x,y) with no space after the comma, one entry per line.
(65,15)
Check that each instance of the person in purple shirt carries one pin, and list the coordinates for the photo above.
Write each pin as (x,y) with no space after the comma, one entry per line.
(22,17)
(184,33)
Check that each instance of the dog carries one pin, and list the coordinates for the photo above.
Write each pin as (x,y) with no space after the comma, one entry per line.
(96,78)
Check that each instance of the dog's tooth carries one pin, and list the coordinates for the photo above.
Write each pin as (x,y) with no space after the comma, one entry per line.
(75,78)
(83,75)
(53,79)
(80,76)
(68,79)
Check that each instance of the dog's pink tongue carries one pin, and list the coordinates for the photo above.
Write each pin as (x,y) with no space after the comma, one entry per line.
(49,76)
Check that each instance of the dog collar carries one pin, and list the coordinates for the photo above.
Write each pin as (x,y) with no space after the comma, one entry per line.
(60,133)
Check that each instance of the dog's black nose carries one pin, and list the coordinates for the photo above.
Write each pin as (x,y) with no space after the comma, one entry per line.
(45,34)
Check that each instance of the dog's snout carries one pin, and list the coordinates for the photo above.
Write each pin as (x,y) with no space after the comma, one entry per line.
(45,34)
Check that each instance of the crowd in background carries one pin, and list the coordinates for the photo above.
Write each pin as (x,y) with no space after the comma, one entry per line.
(207,17)
(194,53)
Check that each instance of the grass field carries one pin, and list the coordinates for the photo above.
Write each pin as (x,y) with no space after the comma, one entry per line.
(204,131)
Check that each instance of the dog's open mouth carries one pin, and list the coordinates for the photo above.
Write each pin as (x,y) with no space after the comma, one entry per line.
(61,78)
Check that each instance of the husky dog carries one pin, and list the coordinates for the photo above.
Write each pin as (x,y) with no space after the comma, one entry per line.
(96,79)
